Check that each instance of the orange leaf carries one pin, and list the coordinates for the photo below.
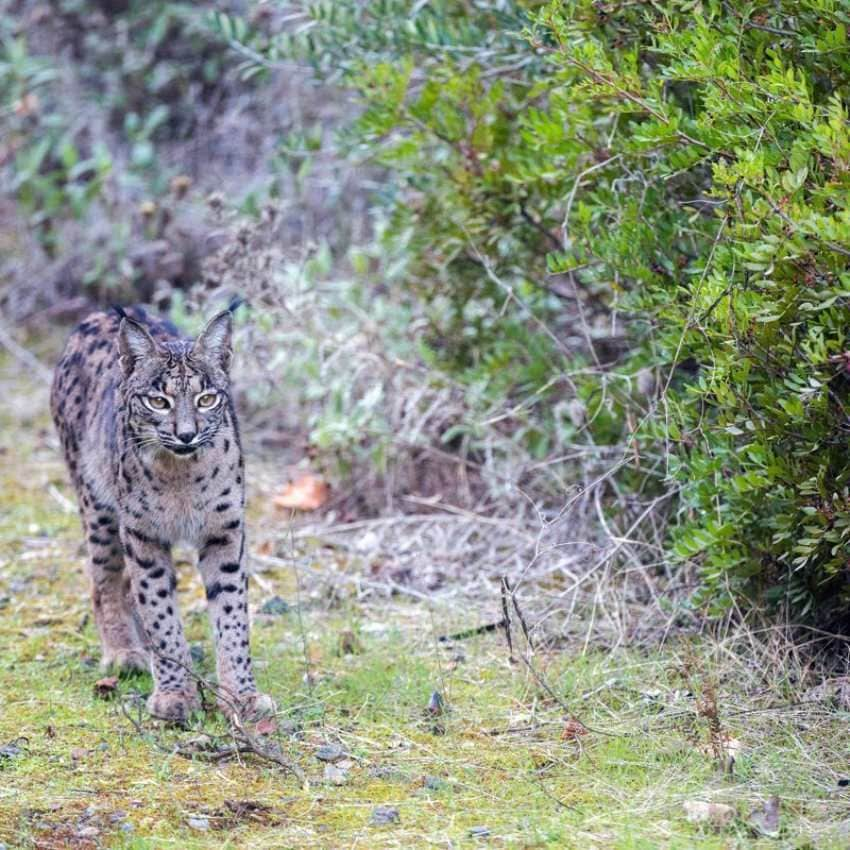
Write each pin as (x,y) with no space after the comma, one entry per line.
(573,729)
(307,493)
(266,726)
(106,688)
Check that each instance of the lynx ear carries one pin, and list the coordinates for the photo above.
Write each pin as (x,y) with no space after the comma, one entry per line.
(215,342)
(134,344)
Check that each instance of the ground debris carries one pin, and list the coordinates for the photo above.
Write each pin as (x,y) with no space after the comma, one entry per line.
(233,813)
(106,688)
(573,730)
(275,607)
(349,643)
(479,832)
(436,704)
(330,753)
(717,815)
(384,815)
(307,493)
(764,818)
(13,749)
(337,774)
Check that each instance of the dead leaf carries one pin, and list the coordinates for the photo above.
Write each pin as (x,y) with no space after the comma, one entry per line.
(106,688)
(266,726)
(717,815)
(349,643)
(265,547)
(27,105)
(307,493)
(573,729)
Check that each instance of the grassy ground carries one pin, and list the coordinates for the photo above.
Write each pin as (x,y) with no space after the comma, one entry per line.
(500,767)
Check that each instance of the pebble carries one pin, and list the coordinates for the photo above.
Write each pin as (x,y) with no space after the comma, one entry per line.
(330,752)
(335,775)
(383,815)
(197,822)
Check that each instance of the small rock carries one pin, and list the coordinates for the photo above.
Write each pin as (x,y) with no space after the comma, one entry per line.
(716,814)
(275,607)
(764,819)
(198,822)
(330,752)
(436,704)
(126,826)
(335,775)
(479,832)
(88,832)
(384,815)
(388,773)
(13,749)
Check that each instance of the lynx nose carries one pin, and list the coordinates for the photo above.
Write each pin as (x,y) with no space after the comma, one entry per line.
(186,436)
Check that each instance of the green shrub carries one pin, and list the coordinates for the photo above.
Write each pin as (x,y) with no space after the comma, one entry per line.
(555,171)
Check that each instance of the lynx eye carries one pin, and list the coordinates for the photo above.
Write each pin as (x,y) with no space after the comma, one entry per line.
(157,402)
(207,401)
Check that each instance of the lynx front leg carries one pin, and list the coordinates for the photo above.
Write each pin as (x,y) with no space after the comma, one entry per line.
(175,694)
(123,647)
(222,564)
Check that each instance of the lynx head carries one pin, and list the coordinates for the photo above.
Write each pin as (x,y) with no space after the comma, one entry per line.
(175,391)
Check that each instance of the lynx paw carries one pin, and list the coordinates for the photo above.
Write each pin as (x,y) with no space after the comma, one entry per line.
(249,707)
(174,706)
(125,661)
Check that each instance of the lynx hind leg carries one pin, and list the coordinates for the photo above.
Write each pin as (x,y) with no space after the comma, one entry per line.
(121,641)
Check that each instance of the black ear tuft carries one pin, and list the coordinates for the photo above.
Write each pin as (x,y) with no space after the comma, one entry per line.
(235,303)
(122,313)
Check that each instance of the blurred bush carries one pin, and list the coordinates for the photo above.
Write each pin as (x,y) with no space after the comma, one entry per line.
(119,119)
(631,220)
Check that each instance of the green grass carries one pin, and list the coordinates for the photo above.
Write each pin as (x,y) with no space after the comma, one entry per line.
(498,759)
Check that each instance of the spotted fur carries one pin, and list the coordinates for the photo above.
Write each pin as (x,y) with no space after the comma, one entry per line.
(149,478)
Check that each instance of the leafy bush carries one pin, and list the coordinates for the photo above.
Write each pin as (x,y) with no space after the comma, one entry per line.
(632,217)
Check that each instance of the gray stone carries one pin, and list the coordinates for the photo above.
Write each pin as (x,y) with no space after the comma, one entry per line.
(384,815)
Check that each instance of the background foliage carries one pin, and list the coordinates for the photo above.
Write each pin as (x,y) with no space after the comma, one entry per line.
(679,170)
(610,229)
